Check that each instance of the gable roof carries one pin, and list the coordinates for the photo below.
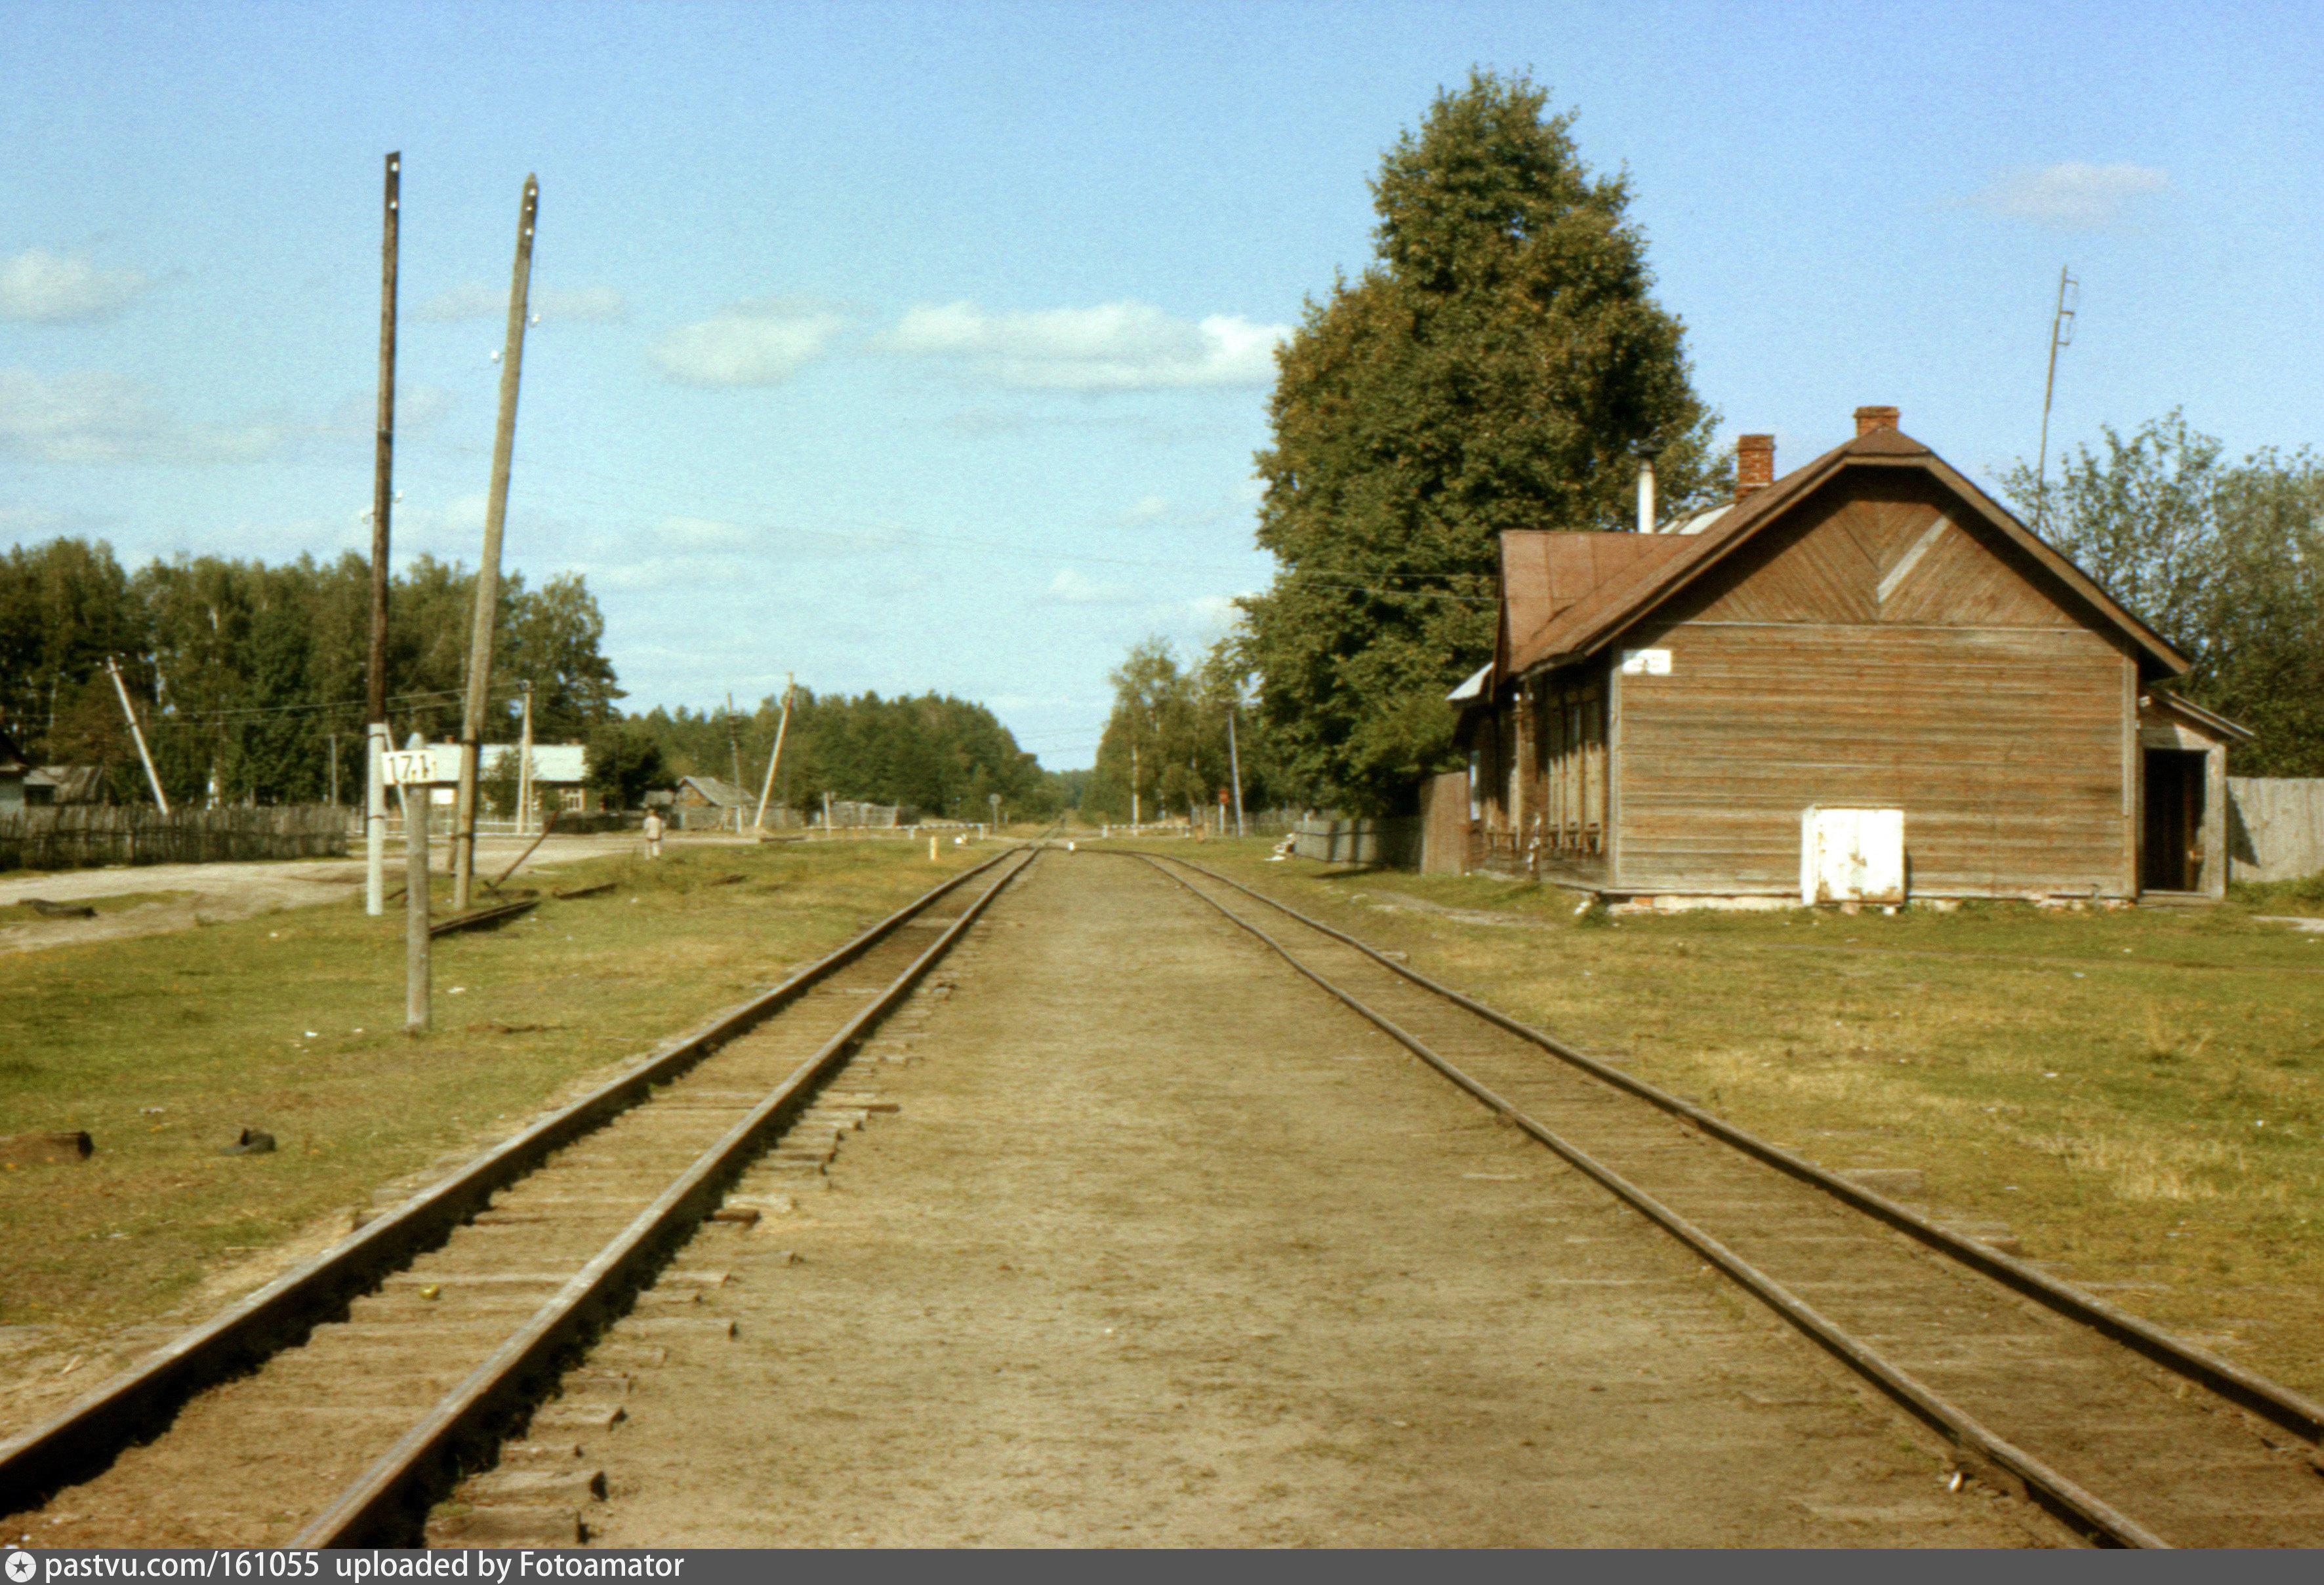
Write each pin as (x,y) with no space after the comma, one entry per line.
(74,784)
(1587,625)
(723,795)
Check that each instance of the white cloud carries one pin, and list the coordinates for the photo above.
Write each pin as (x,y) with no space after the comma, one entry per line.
(1115,346)
(2071,195)
(44,287)
(22,522)
(761,343)
(1076,588)
(469,300)
(92,416)
(1147,509)
(472,299)
(702,533)
(592,305)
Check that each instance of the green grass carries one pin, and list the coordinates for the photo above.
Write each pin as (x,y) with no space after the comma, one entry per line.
(2302,896)
(164,1048)
(2136,1094)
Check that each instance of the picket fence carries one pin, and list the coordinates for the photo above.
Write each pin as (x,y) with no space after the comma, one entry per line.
(82,836)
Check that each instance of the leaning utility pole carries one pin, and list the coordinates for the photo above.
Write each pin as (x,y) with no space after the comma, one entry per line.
(782,726)
(376,741)
(488,571)
(160,798)
(2062,334)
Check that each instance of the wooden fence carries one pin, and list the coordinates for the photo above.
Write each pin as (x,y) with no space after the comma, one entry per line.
(1391,843)
(81,837)
(2275,827)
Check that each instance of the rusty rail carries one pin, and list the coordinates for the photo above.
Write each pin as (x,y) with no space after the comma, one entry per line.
(477,918)
(386,1504)
(89,1434)
(2248,1389)
(2063,1496)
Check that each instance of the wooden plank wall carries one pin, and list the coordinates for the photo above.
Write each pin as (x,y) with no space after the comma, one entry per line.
(2278,829)
(1883,650)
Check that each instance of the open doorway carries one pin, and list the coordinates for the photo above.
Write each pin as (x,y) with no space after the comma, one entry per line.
(2171,858)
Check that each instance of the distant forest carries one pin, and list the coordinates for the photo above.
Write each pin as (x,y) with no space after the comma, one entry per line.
(942,756)
(247,679)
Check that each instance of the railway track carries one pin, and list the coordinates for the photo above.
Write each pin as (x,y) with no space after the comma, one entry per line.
(2128,1436)
(332,1407)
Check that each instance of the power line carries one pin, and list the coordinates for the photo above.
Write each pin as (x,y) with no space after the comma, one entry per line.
(878,535)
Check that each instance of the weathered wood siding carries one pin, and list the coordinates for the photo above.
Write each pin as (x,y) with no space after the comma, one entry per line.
(1882,650)
(2278,827)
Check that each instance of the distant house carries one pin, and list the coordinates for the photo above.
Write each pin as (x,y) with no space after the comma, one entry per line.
(1866,668)
(561,779)
(68,784)
(705,803)
(559,774)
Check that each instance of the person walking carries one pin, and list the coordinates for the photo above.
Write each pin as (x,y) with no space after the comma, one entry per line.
(653,829)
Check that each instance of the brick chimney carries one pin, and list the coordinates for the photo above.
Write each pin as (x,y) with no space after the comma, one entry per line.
(1755,465)
(1868,419)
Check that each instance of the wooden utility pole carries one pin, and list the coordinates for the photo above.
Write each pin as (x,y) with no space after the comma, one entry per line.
(160,798)
(377,743)
(524,767)
(488,570)
(415,900)
(2062,334)
(789,681)
(1235,766)
(734,753)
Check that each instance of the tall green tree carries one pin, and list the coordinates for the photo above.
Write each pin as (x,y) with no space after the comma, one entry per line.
(1165,739)
(2225,559)
(248,677)
(1501,364)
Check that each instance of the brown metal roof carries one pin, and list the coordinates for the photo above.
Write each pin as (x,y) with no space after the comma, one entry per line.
(1544,574)
(1591,622)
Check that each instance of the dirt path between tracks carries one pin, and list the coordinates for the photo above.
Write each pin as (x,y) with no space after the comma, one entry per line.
(1165,1248)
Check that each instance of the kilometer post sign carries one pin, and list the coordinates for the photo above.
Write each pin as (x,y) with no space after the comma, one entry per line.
(421,766)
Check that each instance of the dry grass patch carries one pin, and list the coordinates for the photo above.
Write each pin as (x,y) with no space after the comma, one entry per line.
(163,1047)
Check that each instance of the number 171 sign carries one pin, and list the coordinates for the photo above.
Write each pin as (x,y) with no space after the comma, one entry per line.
(417,768)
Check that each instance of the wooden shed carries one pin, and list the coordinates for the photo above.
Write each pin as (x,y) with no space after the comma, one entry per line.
(1869,641)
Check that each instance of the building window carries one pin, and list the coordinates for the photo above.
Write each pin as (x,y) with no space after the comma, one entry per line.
(577,800)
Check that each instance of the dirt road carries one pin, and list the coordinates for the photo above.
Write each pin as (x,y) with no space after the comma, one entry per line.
(218,892)
(1165,1247)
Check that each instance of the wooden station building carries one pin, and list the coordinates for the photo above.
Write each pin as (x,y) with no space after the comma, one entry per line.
(1667,712)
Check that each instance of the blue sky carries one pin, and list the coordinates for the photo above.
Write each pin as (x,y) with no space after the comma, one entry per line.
(927,347)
